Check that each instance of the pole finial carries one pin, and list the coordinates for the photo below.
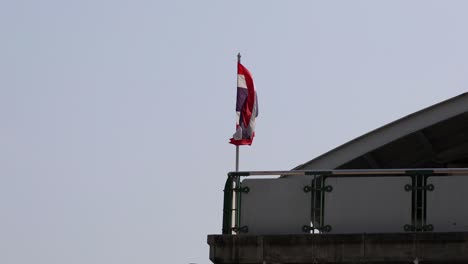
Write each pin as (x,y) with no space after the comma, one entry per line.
(239,57)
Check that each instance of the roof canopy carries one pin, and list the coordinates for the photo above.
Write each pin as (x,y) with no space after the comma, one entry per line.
(435,137)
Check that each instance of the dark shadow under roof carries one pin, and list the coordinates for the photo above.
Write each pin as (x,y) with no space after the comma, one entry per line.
(435,137)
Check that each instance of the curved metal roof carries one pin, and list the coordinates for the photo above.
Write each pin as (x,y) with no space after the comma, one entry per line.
(436,136)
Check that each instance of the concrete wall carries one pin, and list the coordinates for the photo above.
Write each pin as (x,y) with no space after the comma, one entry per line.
(349,248)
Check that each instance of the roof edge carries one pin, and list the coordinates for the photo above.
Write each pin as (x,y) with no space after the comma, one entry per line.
(388,133)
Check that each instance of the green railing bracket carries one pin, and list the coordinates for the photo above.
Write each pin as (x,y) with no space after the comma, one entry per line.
(428,228)
(408,188)
(413,228)
(327,188)
(409,228)
(326,228)
(429,187)
(307,229)
(242,189)
(242,229)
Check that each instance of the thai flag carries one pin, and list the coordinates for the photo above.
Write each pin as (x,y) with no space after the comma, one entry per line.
(246,108)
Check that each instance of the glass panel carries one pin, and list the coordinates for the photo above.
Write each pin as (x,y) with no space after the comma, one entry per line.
(276,206)
(446,210)
(367,204)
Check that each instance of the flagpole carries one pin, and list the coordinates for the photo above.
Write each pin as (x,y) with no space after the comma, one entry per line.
(237,146)
(237,158)
(236,199)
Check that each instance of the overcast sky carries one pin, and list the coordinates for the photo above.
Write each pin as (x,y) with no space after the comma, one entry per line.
(115,115)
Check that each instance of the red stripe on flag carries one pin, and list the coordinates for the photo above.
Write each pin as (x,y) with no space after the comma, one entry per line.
(248,105)
(245,129)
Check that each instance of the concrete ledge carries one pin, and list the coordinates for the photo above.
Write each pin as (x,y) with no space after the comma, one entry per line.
(349,248)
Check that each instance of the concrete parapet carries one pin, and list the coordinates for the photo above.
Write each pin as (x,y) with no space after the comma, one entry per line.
(340,248)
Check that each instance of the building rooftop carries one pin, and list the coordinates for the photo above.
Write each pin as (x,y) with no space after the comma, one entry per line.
(435,137)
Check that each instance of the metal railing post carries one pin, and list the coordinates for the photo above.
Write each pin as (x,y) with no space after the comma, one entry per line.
(238,203)
(227,207)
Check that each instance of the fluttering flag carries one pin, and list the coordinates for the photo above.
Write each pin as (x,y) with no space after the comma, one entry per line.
(246,108)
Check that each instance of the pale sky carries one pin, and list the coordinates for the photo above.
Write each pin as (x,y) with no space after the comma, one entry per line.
(115,115)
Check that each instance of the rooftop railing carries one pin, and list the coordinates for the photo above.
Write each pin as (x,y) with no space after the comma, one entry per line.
(346,201)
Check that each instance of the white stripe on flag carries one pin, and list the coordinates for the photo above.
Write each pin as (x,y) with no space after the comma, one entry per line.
(241,81)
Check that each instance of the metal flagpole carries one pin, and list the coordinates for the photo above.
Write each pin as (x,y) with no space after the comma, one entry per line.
(237,146)
(237,158)
(236,199)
